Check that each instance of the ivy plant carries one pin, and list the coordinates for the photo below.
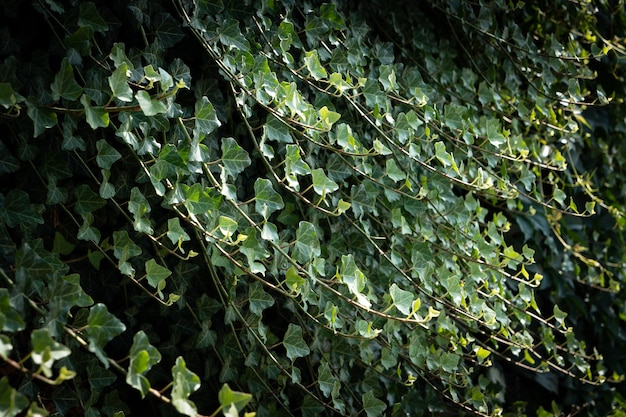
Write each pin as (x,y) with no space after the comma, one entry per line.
(335,208)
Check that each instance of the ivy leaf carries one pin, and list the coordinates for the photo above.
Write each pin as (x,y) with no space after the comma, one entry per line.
(88,16)
(205,118)
(118,81)
(373,406)
(124,249)
(446,159)
(10,319)
(312,62)
(149,106)
(46,350)
(8,163)
(8,98)
(42,118)
(230,35)
(96,116)
(294,343)
(107,155)
(12,402)
(185,383)
(266,199)
(307,245)
(234,158)
(259,299)
(175,233)
(322,184)
(156,273)
(142,357)
(86,200)
(64,84)
(403,300)
(16,209)
(228,397)
(99,377)
(102,326)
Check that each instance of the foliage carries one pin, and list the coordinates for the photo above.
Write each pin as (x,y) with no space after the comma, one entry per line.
(335,208)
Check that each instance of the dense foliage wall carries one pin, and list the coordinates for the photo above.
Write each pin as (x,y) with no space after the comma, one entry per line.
(308,208)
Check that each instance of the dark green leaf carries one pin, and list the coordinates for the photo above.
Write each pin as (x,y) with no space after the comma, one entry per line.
(88,16)
(102,326)
(86,200)
(206,118)
(16,209)
(234,158)
(258,298)
(373,406)
(294,343)
(267,200)
(231,37)
(307,245)
(107,155)
(42,118)
(64,84)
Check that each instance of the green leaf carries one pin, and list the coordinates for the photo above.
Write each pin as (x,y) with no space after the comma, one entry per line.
(403,300)
(64,84)
(107,155)
(454,116)
(88,16)
(258,298)
(46,350)
(312,62)
(185,383)
(139,207)
(156,273)
(149,106)
(322,184)
(124,249)
(230,35)
(228,397)
(494,134)
(307,245)
(86,200)
(10,319)
(8,163)
(99,377)
(227,226)
(205,118)
(42,118)
(266,199)
(234,158)
(446,159)
(102,326)
(373,406)
(294,343)
(8,98)
(96,116)
(175,233)
(16,209)
(450,362)
(118,81)
(142,357)
(11,401)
